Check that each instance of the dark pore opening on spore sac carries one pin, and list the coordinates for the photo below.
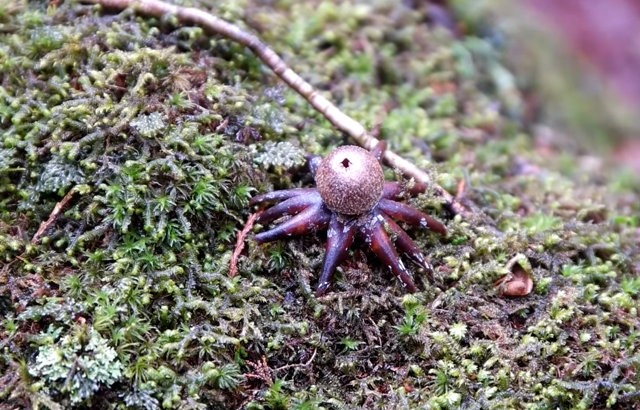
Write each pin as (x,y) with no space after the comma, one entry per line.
(345,162)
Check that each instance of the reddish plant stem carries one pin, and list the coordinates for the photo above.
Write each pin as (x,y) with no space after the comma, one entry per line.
(54,214)
(233,265)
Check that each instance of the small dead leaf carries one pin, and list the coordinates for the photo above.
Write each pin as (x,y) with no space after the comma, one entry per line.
(518,282)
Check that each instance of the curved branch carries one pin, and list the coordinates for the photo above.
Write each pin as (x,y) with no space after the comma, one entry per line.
(339,119)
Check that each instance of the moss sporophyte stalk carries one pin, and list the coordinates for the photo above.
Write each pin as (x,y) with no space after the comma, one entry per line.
(131,147)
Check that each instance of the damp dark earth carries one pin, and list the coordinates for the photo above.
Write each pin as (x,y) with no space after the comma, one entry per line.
(130,149)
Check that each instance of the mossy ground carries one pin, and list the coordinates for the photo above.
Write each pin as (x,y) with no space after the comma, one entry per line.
(162,133)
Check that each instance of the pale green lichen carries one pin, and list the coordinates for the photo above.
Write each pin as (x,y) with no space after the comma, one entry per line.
(58,175)
(282,155)
(149,125)
(77,365)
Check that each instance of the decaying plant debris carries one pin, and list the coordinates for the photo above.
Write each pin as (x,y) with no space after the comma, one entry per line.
(163,133)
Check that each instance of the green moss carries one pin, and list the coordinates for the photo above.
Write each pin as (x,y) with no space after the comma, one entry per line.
(160,134)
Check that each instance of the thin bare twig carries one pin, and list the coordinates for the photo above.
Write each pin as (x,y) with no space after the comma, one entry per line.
(305,364)
(54,214)
(340,120)
(233,266)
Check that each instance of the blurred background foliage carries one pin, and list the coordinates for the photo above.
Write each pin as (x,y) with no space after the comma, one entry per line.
(581,58)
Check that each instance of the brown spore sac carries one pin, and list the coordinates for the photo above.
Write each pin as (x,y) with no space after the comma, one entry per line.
(350,180)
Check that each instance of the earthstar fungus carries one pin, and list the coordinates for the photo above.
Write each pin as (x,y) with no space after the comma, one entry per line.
(351,199)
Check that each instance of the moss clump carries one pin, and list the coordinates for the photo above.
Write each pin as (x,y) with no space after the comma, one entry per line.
(160,134)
